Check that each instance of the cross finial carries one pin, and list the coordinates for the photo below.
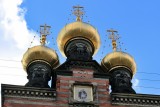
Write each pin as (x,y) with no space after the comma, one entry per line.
(44,31)
(78,12)
(114,38)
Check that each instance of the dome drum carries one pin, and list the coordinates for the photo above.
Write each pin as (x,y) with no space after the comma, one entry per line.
(39,74)
(120,80)
(79,43)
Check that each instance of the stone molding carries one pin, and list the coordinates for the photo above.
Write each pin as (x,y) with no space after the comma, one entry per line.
(27,92)
(140,100)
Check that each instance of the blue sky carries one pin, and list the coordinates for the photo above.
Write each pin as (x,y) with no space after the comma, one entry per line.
(136,20)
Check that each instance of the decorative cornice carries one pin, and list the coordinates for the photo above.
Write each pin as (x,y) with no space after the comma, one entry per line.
(140,100)
(27,92)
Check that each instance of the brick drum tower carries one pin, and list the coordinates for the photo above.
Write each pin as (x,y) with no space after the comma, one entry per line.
(80,81)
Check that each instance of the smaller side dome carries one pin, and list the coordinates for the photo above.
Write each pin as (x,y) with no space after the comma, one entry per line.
(40,53)
(118,59)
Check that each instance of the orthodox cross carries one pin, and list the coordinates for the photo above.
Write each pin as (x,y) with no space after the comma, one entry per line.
(78,12)
(44,31)
(114,38)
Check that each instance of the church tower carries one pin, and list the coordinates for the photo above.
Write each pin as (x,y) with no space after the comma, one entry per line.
(80,79)
(39,61)
(121,67)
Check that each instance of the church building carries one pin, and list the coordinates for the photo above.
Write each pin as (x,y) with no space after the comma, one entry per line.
(80,81)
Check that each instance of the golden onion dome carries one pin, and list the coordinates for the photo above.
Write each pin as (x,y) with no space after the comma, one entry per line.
(118,59)
(40,53)
(79,30)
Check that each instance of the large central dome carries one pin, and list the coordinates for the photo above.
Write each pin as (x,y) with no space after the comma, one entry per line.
(78,30)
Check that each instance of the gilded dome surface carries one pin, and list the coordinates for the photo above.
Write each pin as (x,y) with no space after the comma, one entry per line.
(40,53)
(117,59)
(78,30)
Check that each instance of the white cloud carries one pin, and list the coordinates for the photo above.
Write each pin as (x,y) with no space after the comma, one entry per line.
(47,43)
(135,83)
(15,38)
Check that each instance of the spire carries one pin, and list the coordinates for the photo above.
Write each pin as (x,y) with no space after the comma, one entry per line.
(44,31)
(78,12)
(114,37)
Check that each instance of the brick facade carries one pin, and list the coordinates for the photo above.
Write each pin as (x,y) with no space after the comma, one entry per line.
(64,92)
